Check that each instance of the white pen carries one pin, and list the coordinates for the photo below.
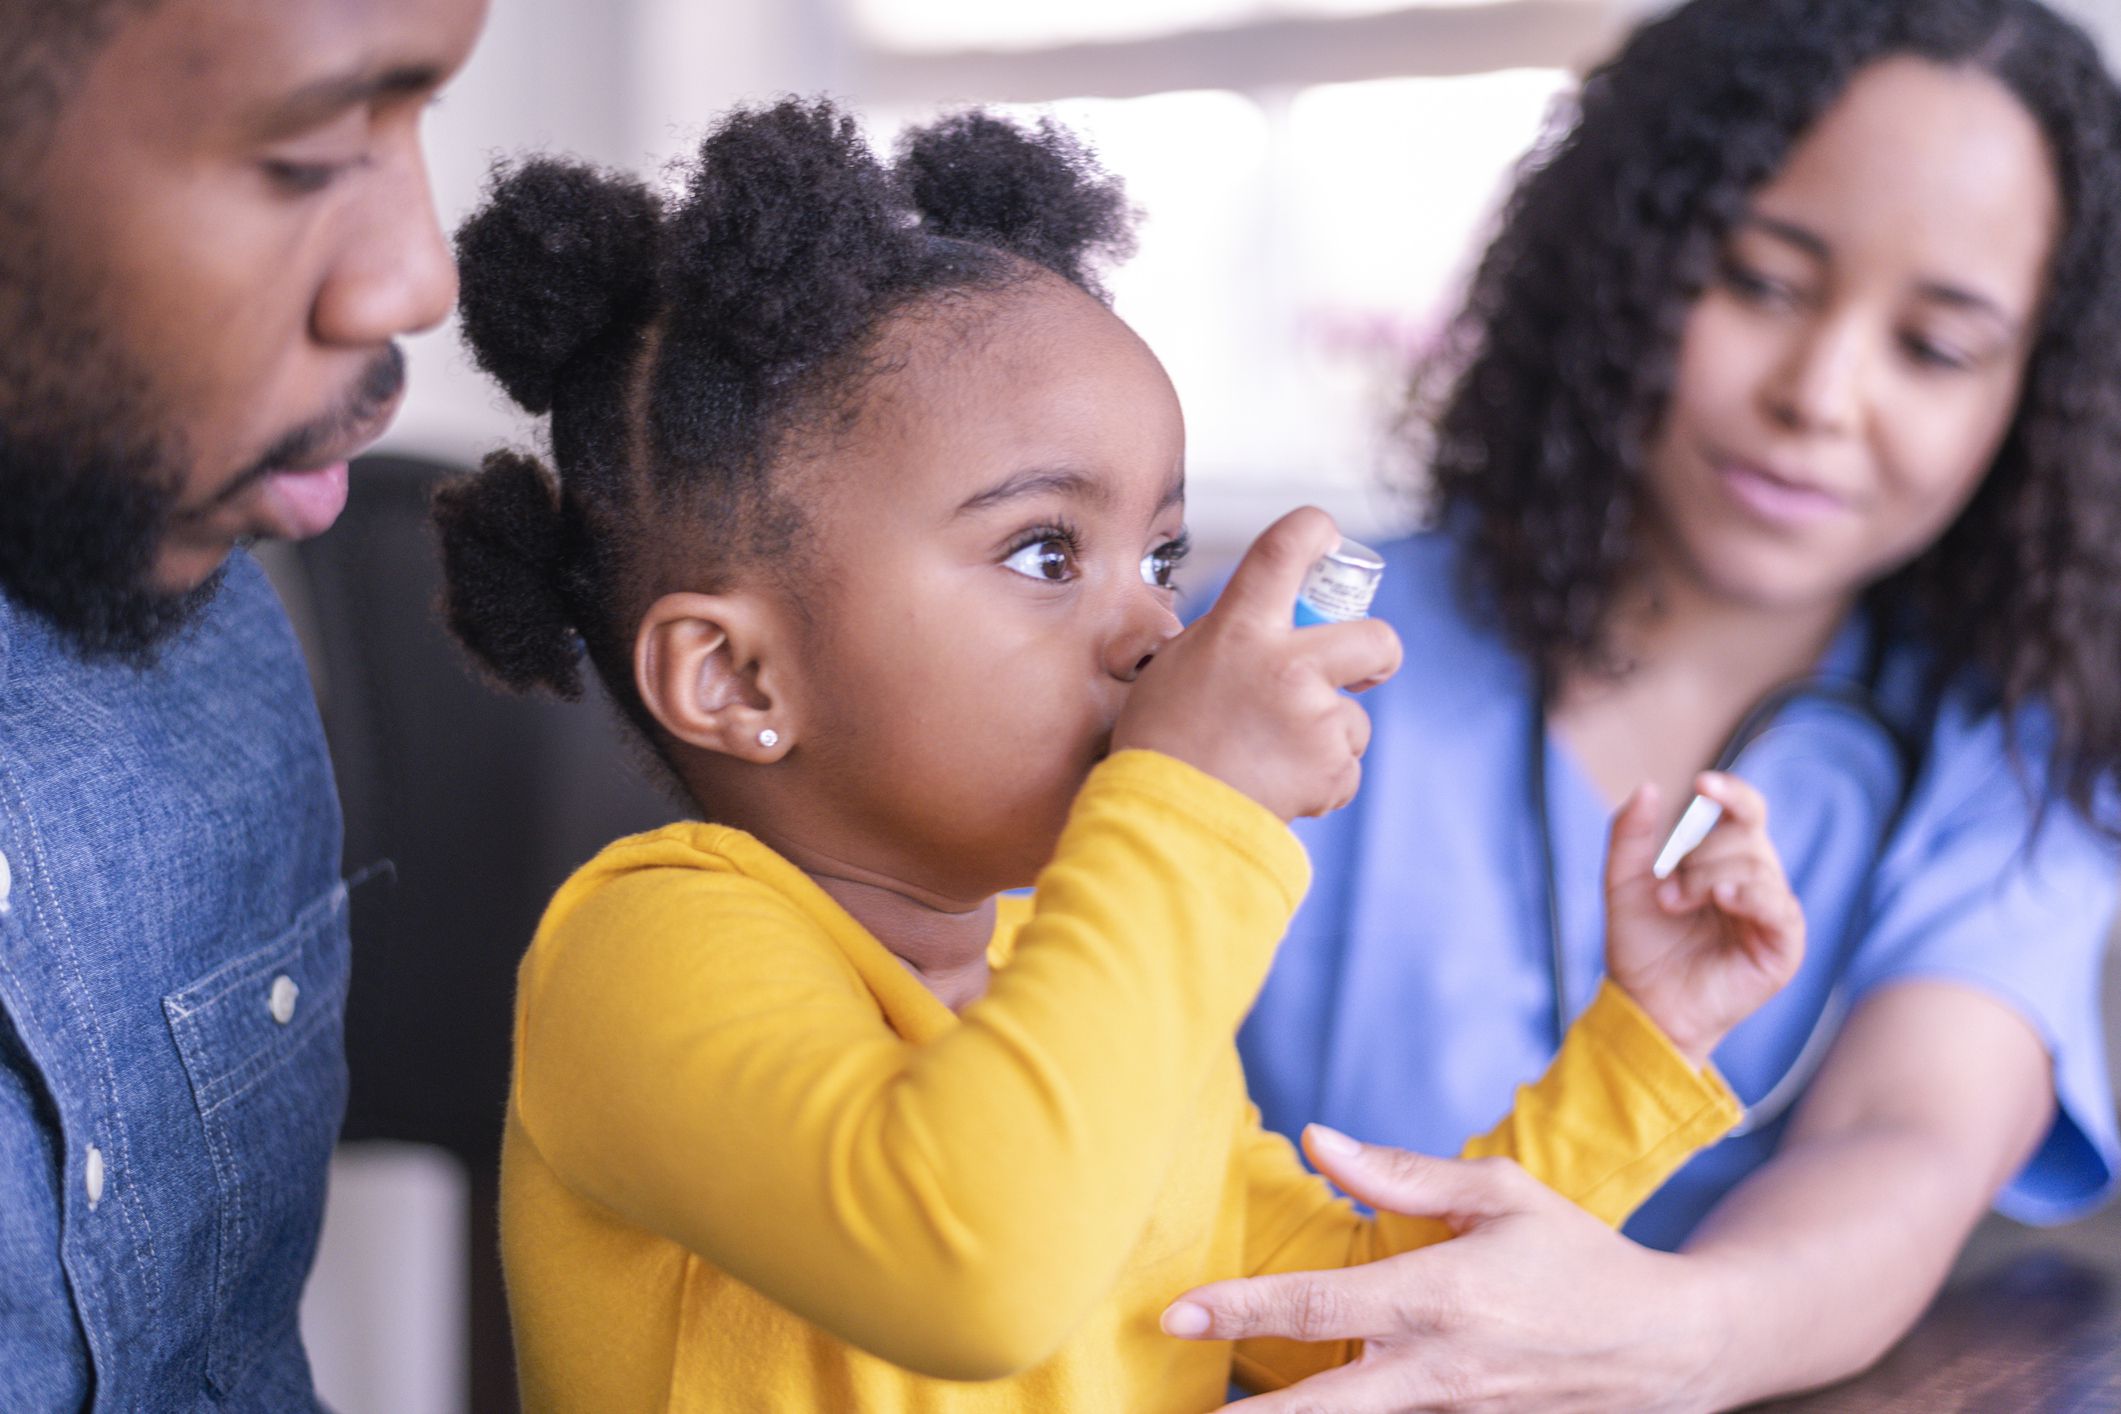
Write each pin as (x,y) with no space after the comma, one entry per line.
(1693,827)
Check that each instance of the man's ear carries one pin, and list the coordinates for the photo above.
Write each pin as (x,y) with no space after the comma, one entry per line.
(708,666)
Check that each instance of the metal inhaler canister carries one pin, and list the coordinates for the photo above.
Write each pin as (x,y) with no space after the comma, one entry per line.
(1340,586)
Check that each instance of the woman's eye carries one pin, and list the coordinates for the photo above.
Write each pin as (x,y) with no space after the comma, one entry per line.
(1050,559)
(1756,288)
(1931,354)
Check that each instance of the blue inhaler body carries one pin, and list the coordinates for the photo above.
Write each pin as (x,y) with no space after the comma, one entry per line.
(1340,586)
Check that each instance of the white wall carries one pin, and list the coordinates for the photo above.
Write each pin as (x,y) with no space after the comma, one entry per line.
(631,83)
(2102,18)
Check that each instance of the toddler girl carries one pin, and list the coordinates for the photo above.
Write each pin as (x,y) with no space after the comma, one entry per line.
(865,513)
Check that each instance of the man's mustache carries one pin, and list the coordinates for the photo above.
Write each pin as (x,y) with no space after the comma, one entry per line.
(379,384)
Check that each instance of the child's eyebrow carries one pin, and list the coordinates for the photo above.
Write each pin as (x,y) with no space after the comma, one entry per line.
(1038,481)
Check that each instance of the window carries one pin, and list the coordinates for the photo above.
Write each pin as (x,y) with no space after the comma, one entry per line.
(1315,175)
(943,25)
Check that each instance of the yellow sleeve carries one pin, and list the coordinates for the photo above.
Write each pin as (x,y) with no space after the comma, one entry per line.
(697,1056)
(1614,1116)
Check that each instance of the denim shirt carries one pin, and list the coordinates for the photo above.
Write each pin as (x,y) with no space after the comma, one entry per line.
(173,959)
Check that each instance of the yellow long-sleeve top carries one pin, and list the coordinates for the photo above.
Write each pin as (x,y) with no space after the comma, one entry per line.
(752,1164)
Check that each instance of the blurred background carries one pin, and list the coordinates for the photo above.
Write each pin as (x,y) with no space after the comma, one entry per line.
(1315,177)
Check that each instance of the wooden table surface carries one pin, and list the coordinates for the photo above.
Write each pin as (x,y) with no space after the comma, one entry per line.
(2030,1323)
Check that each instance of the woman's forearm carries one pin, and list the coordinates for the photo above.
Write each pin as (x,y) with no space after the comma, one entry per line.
(1934,1096)
(1825,1258)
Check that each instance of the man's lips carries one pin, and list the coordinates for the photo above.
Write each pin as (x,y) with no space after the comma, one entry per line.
(294,505)
(297,501)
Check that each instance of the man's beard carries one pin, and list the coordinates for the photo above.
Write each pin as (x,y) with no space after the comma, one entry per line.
(87,493)
(91,481)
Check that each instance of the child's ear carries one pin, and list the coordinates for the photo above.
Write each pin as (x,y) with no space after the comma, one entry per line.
(708,666)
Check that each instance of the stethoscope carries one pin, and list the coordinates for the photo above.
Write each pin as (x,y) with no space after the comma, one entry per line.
(1856,697)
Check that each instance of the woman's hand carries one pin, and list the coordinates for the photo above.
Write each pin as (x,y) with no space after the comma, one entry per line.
(1702,950)
(1535,1306)
(1254,701)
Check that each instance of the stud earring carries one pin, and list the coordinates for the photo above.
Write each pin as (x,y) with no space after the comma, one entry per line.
(769,738)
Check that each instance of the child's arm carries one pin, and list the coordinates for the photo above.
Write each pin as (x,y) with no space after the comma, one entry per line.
(1615,1115)
(1702,950)
(1628,1099)
(705,1057)
(699,1058)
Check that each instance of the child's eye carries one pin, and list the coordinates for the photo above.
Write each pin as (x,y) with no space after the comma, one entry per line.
(1050,558)
(1160,566)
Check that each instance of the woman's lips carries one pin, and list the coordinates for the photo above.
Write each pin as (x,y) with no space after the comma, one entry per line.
(1777,499)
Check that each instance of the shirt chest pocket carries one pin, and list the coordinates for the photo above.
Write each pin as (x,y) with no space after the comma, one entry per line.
(261,1042)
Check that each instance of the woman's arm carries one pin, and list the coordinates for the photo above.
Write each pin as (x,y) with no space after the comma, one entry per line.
(1615,1116)
(1932,1097)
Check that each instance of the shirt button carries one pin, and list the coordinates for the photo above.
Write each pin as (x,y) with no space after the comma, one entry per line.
(7,882)
(94,1177)
(281,1000)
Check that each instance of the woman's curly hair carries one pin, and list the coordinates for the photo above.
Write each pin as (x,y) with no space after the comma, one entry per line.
(1555,375)
(683,347)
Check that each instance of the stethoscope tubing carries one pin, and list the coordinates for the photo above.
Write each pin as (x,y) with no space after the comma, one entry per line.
(1859,697)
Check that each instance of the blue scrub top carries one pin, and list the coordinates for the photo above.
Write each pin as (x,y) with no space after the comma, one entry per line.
(1414,992)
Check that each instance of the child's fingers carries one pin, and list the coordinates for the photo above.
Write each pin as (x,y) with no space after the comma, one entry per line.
(1631,849)
(1757,900)
(1356,655)
(1266,580)
(1733,842)
(1742,804)
(1696,880)
(1775,917)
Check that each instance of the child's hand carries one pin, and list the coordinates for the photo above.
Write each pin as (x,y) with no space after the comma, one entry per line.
(1254,701)
(1702,950)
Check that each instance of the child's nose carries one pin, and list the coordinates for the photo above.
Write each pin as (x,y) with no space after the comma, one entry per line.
(1137,645)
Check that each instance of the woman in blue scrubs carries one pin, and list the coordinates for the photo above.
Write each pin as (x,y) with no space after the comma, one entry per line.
(1799,355)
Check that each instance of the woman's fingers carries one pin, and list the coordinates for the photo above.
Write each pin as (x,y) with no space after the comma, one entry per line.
(1350,1303)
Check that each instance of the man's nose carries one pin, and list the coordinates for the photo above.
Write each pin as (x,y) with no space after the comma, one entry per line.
(394,273)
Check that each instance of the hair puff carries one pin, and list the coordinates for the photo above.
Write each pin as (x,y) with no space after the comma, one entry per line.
(1036,192)
(559,255)
(507,568)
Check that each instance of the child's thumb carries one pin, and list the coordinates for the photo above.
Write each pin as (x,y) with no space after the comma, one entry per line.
(1631,849)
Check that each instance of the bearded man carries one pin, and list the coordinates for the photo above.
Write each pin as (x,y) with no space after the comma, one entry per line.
(214,222)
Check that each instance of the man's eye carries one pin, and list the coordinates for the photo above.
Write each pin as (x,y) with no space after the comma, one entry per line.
(1050,559)
(303,178)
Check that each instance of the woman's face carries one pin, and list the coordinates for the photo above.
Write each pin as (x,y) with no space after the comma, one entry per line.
(1850,374)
